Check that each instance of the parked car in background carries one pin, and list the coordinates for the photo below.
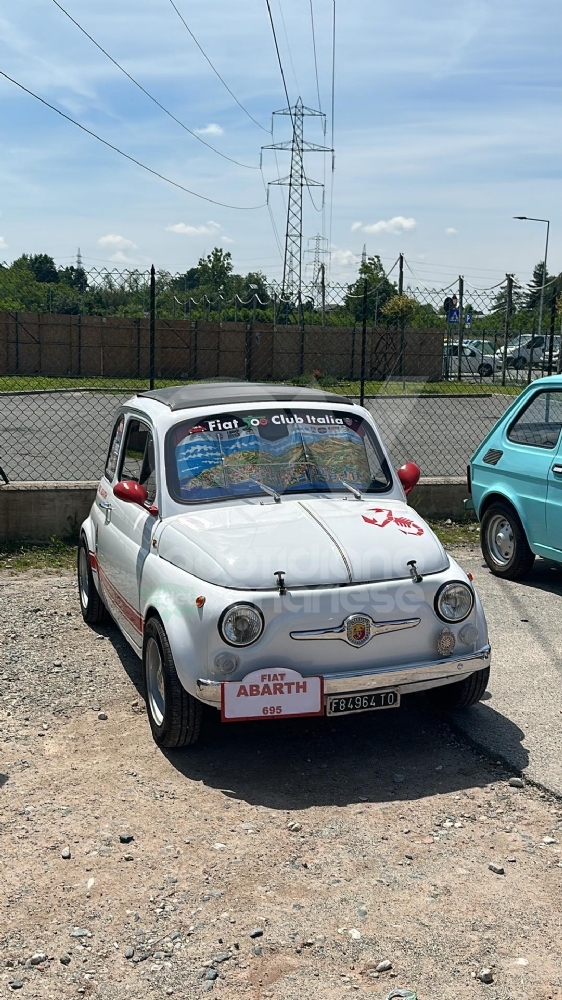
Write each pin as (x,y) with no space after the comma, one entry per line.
(515,481)
(474,360)
(520,351)
(254,545)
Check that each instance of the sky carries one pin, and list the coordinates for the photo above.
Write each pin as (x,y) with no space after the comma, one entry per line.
(446,125)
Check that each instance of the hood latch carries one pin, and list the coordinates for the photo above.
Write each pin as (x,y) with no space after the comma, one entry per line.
(416,577)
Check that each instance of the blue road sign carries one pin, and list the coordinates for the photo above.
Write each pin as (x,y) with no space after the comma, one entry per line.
(454,315)
(468,319)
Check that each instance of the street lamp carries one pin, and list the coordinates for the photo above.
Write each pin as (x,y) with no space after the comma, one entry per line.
(529,218)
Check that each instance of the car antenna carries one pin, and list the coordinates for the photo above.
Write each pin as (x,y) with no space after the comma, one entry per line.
(356,493)
(280,574)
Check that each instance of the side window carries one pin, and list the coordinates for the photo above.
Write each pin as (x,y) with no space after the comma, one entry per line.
(114,447)
(540,422)
(138,461)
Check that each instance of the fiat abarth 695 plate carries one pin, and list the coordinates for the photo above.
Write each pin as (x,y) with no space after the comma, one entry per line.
(255,547)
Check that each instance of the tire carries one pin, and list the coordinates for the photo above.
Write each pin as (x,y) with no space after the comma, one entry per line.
(485,371)
(174,715)
(519,364)
(461,694)
(504,543)
(91,605)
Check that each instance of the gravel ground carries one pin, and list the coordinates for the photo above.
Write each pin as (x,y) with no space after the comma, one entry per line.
(284,864)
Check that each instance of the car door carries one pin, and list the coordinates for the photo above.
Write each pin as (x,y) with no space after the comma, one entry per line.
(530,460)
(554,487)
(101,511)
(125,541)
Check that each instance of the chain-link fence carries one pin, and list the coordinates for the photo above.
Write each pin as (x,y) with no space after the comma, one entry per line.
(436,367)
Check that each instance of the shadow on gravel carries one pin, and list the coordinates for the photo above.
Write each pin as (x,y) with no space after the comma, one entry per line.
(381,756)
(372,757)
(493,733)
(3,779)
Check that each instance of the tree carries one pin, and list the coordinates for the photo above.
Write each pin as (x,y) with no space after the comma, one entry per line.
(379,289)
(74,277)
(499,304)
(42,266)
(534,287)
(400,309)
(215,272)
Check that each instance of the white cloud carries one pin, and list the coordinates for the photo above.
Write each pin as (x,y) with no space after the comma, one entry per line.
(398,224)
(210,229)
(226,239)
(121,258)
(450,231)
(356,225)
(212,129)
(3,244)
(116,242)
(343,258)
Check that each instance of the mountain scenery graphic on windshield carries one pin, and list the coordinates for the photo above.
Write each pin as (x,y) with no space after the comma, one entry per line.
(210,463)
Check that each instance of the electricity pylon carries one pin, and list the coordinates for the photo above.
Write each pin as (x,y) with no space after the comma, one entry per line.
(296,181)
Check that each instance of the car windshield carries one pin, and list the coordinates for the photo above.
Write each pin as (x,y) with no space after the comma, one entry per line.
(291,451)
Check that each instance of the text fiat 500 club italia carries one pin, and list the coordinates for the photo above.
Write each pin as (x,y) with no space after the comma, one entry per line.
(254,545)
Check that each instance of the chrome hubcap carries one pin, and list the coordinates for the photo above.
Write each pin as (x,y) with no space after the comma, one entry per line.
(155,681)
(83,582)
(499,537)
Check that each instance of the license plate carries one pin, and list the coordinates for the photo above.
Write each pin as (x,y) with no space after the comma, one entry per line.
(368,701)
(271,694)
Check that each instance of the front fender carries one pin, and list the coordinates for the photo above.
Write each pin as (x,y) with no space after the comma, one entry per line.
(171,593)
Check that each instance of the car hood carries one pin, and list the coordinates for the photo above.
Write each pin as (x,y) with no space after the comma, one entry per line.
(313,541)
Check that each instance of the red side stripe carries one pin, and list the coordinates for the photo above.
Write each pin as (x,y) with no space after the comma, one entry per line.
(126,609)
(94,561)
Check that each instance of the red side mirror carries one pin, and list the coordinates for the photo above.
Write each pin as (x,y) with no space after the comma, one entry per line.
(131,492)
(409,475)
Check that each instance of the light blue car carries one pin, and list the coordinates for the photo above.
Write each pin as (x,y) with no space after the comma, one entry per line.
(515,480)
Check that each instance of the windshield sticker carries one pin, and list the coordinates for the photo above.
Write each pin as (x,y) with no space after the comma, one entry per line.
(234,454)
(384,517)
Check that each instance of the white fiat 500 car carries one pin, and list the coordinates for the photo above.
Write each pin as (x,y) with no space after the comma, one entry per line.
(255,547)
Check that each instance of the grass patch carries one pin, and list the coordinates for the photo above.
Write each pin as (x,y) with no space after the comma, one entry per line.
(24,383)
(452,533)
(18,557)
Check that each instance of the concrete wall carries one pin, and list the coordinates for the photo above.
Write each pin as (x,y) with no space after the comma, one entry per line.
(118,347)
(41,510)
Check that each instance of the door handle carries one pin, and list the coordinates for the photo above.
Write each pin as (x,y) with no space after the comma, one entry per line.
(557,470)
(106,506)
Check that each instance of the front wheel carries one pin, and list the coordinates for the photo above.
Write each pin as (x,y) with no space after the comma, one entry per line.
(174,715)
(461,694)
(504,543)
(485,371)
(91,605)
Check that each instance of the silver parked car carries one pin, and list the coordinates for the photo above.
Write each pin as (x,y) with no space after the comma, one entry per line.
(255,547)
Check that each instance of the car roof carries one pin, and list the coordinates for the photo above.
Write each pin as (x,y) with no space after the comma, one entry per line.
(182,397)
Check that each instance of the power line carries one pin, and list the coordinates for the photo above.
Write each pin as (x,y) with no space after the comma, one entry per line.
(315,59)
(285,32)
(278,54)
(240,208)
(215,70)
(139,85)
(332,122)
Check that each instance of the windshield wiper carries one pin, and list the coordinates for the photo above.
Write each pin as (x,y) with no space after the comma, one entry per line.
(266,489)
(356,493)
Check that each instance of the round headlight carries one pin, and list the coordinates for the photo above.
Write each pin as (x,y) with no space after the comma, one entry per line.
(241,624)
(454,602)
